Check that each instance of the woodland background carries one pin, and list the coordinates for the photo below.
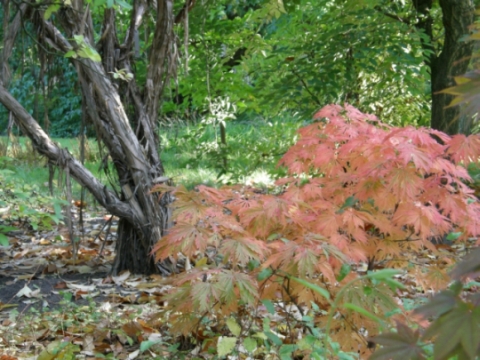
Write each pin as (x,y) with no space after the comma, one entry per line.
(177,183)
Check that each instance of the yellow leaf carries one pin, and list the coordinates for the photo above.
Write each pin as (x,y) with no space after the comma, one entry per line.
(201,263)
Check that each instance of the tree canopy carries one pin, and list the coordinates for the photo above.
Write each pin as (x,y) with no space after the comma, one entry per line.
(268,57)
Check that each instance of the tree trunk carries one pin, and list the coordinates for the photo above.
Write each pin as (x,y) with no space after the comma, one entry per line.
(451,61)
(144,217)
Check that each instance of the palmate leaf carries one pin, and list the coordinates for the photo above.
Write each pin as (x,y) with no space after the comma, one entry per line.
(441,303)
(257,222)
(405,182)
(242,249)
(456,332)
(401,345)
(379,187)
(465,149)
(470,265)
(466,91)
(422,218)
(184,237)
(227,280)
(204,295)
(421,158)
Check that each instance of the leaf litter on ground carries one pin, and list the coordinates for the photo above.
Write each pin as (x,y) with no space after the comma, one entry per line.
(54,305)
(49,296)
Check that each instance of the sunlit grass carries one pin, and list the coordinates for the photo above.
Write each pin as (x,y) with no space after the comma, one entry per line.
(191,155)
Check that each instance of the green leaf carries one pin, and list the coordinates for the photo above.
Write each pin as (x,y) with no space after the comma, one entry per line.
(394,284)
(147,344)
(124,4)
(286,351)
(367,290)
(456,332)
(253,264)
(264,274)
(383,274)
(50,10)
(274,338)
(79,39)
(3,240)
(234,327)
(469,265)
(58,209)
(6,229)
(398,346)
(471,334)
(454,236)
(314,287)
(456,287)
(250,344)
(344,271)
(71,53)
(269,305)
(90,53)
(225,345)
(351,201)
(203,294)
(362,311)
(440,304)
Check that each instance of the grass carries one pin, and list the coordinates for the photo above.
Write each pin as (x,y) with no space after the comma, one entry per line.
(191,155)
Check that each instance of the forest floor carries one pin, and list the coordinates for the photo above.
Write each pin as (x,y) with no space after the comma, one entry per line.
(49,296)
(56,303)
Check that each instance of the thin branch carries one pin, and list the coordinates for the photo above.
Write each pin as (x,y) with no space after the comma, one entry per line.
(393,16)
(139,9)
(161,62)
(181,14)
(44,145)
(312,95)
(10,34)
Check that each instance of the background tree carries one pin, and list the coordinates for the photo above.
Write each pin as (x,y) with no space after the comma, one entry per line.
(391,58)
(447,55)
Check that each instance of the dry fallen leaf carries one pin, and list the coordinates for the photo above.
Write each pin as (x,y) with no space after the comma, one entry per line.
(81,287)
(121,278)
(27,292)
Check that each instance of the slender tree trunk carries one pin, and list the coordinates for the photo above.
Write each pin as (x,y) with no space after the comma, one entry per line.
(449,61)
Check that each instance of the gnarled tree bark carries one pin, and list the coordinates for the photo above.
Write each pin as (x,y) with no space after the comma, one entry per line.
(129,133)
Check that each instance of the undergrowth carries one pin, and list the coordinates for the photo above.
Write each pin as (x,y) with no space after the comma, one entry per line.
(191,154)
(278,268)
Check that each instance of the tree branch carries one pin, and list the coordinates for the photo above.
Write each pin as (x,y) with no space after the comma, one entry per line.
(139,8)
(10,34)
(393,16)
(47,147)
(312,95)
(181,14)
(116,130)
(162,60)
